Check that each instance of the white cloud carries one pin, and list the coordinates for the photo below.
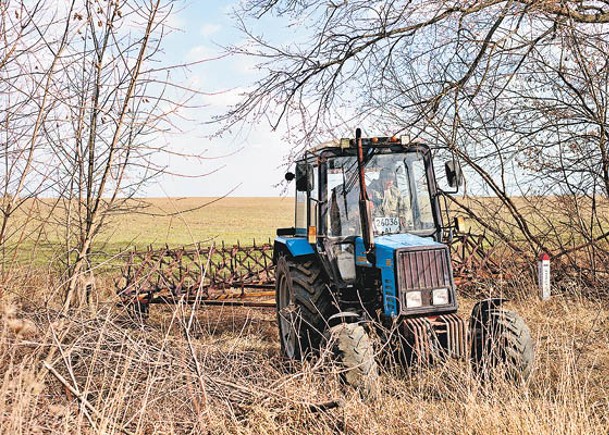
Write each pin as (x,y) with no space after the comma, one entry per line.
(247,67)
(209,29)
(224,99)
(201,52)
(254,165)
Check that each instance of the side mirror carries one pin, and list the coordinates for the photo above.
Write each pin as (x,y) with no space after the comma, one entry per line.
(301,183)
(454,175)
(304,177)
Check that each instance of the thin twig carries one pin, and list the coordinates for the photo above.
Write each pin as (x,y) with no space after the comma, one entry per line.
(81,399)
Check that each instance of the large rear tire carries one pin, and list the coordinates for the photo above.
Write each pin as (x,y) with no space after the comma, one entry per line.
(304,303)
(353,351)
(504,342)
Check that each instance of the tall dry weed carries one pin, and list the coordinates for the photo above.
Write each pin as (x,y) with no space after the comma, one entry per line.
(219,371)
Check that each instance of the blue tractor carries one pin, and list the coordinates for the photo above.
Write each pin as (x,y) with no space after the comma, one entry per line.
(366,253)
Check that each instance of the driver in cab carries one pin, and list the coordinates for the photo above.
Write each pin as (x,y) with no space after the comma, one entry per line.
(388,202)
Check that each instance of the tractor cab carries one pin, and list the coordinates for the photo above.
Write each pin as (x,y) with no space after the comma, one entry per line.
(368,209)
(400,185)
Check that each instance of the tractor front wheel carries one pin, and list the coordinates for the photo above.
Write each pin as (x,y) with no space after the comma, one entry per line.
(353,351)
(502,341)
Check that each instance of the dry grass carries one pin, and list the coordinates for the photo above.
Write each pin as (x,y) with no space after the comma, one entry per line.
(223,374)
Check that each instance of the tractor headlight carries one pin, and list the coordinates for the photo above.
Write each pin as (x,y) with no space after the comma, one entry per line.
(413,299)
(440,296)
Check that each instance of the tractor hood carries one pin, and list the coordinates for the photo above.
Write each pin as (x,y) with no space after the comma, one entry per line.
(410,256)
(385,246)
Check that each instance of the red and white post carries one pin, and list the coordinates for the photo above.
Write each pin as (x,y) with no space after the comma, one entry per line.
(543,266)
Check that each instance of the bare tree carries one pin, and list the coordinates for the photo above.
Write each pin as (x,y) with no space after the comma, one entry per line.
(517,89)
(87,97)
(113,102)
(28,70)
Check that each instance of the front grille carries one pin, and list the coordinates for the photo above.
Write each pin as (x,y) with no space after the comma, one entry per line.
(423,269)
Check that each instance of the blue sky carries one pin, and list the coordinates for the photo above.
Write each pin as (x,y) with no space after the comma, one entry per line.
(244,163)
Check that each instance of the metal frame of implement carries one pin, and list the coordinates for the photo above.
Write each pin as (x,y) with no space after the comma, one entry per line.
(244,275)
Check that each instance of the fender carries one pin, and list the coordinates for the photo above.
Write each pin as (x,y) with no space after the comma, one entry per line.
(292,246)
(343,317)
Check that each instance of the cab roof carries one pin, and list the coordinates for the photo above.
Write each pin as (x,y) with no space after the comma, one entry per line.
(345,143)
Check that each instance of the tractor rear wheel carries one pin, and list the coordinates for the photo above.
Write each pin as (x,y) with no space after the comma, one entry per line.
(353,350)
(503,342)
(304,303)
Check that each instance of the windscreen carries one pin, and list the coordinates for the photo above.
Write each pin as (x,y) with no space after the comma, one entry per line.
(397,187)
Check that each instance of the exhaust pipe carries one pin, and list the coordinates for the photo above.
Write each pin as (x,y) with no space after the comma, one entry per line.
(365,209)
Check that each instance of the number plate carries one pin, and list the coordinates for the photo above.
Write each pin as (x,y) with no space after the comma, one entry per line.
(386,224)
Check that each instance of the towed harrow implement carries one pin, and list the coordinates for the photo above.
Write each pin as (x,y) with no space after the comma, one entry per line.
(245,275)
(215,274)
